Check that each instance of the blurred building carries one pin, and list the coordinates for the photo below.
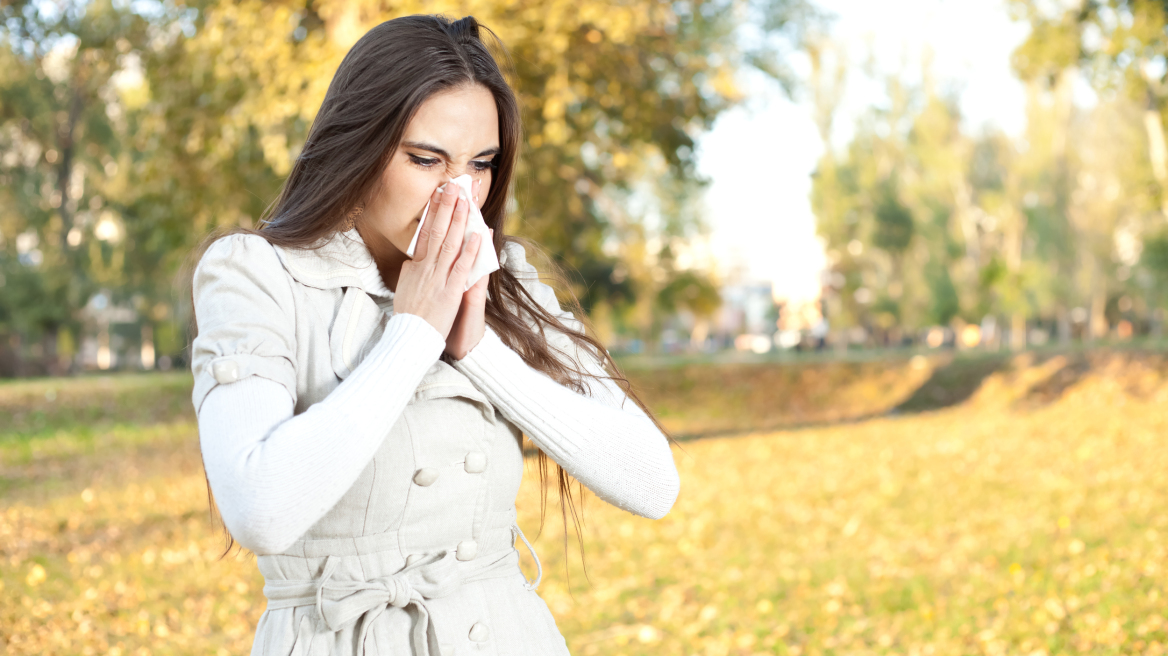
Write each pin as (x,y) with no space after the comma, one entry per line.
(747,319)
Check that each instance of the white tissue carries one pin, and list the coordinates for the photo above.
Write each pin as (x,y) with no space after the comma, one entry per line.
(486,261)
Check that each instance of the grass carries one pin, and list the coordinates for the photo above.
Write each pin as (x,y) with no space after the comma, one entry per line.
(930,506)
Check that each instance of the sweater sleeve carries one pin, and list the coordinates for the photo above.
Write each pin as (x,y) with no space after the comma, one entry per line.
(602,438)
(272,475)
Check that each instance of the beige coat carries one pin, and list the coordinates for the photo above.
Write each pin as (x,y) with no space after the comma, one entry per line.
(419,556)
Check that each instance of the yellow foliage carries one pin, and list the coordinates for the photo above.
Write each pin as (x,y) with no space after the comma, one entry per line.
(287,80)
(1013,523)
(36,576)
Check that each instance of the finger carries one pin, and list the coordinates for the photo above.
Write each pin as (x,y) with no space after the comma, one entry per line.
(441,219)
(461,268)
(478,291)
(452,245)
(422,247)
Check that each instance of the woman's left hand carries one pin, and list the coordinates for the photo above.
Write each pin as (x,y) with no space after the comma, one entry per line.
(470,324)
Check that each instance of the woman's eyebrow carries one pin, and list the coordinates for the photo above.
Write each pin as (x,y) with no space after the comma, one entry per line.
(438,151)
(425,146)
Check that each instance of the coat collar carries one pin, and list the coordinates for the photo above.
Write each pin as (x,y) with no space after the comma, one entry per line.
(340,260)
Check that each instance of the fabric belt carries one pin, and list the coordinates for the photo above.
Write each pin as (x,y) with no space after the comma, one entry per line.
(341,604)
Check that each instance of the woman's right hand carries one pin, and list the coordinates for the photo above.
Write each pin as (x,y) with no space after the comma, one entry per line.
(432,284)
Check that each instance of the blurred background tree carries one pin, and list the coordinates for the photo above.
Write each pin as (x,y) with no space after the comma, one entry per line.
(1039,236)
(61,128)
(131,130)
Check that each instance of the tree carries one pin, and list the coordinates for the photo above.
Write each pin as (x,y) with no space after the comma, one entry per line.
(1121,46)
(184,116)
(614,97)
(928,225)
(885,209)
(59,126)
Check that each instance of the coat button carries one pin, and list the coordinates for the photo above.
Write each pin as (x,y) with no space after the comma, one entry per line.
(413,558)
(479,632)
(225,371)
(467,550)
(476,462)
(426,476)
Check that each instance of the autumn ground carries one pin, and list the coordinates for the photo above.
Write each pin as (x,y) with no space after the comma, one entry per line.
(925,506)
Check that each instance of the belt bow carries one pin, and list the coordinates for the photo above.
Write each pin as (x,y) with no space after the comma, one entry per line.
(341,604)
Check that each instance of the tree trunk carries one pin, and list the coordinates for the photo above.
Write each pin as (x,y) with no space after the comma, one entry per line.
(1157,149)
(1017,331)
(1015,233)
(1063,319)
(66,142)
(52,363)
(343,24)
(963,201)
(827,84)
(1099,327)
(14,344)
(147,349)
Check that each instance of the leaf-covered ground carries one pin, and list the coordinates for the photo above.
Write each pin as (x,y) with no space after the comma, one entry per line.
(969,507)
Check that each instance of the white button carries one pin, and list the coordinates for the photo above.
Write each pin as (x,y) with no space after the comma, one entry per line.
(479,632)
(467,550)
(225,371)
(413,558)
(476,462)
(426,476)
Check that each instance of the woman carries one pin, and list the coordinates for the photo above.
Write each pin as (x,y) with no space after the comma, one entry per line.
(361,412)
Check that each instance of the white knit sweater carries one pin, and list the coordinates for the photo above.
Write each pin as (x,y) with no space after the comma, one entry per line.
(274,477)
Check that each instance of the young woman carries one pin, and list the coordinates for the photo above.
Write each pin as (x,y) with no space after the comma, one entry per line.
(361,412)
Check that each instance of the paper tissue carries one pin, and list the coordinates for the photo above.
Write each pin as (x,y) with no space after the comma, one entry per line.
(486,261)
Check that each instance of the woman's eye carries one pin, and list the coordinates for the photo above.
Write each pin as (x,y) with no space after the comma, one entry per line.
(482,164)
(426,162)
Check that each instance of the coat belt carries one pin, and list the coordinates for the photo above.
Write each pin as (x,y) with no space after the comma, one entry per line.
(340,604)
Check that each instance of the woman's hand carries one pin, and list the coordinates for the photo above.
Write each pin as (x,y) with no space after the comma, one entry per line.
(431,285)
(469,326)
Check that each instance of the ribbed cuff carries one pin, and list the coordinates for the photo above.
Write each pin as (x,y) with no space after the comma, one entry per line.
(423,340)
(525,395)
(490,346)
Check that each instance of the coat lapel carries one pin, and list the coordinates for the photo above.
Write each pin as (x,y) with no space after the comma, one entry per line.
(339,260)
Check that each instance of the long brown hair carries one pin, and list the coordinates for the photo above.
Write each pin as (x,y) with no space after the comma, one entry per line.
(376,91)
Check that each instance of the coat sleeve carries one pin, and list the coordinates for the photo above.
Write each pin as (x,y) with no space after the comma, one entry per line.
(600,438)
(243,309)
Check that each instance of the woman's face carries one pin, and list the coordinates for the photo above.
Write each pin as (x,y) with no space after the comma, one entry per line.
(454,132)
